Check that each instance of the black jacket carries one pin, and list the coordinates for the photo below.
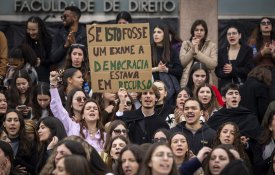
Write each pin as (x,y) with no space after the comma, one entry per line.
(203,136)
(58,51)
(255,96)
(241,66)
(244,118)
(141,129)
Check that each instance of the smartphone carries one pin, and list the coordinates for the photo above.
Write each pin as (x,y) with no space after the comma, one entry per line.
(21,107)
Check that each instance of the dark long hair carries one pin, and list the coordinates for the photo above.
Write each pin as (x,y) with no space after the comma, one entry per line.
(193,28)
(194,68)
(85,63)
(99,126)
(237,139)
(266,133)
(165,58)
(146,170)
(124,15)
(44,37)
(207,159)
(40,89)
(56,129)
(187,154)
(13,94)
(69,100)
(136,151)
(213,104)
(110,130)
(76,164)
(25,52)
(25,145)
(257,37)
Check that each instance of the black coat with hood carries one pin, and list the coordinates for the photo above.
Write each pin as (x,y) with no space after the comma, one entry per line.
(243,117)
(202,137)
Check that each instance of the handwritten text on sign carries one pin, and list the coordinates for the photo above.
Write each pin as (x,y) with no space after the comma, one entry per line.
(119,56)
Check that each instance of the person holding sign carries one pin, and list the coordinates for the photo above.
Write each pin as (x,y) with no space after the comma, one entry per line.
(165,62)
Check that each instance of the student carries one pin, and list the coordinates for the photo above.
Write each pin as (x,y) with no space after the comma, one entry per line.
(50,131)
(21,57)
(158,155)
(113,150)
(234,60)
(25,152)
(72,164)
(198,49)
(41,99)
(165,62)
(256,90)
(3,106)
(229,133)
(6,159)
(19,97)
(180,147)
(70,33)
(217,159)
(77,57)
(232,111)
(40,40)
(262,152)
(206,96)
(198,75)
(123,18)
(143,122)
(73,144)
(71,79)
(161,135)
(198,134)
(130,160)
(182,96)
(116,128)
(262,40)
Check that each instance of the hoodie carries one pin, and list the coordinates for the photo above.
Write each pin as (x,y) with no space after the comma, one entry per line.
(202,137)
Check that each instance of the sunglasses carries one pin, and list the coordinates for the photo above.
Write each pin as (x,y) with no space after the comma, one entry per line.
(80,99)
(161,140)
(63,17)
(265,23)
(78,45)
(119,131)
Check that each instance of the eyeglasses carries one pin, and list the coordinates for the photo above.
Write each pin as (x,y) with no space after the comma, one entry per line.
(232,33)
(80,99)
(78,45)
(161,140)
(265,23)
(119,131)
(128,103)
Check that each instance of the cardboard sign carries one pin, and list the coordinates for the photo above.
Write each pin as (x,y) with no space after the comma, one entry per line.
(120,57)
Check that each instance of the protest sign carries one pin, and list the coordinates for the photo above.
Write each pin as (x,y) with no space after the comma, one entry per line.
(120,57)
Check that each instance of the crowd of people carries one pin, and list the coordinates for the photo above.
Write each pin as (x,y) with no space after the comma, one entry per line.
(53,123)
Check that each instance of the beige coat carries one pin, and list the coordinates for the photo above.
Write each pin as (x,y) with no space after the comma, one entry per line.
(207,55)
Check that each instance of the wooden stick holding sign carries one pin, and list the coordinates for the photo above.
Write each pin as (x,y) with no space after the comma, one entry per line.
(120,57)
